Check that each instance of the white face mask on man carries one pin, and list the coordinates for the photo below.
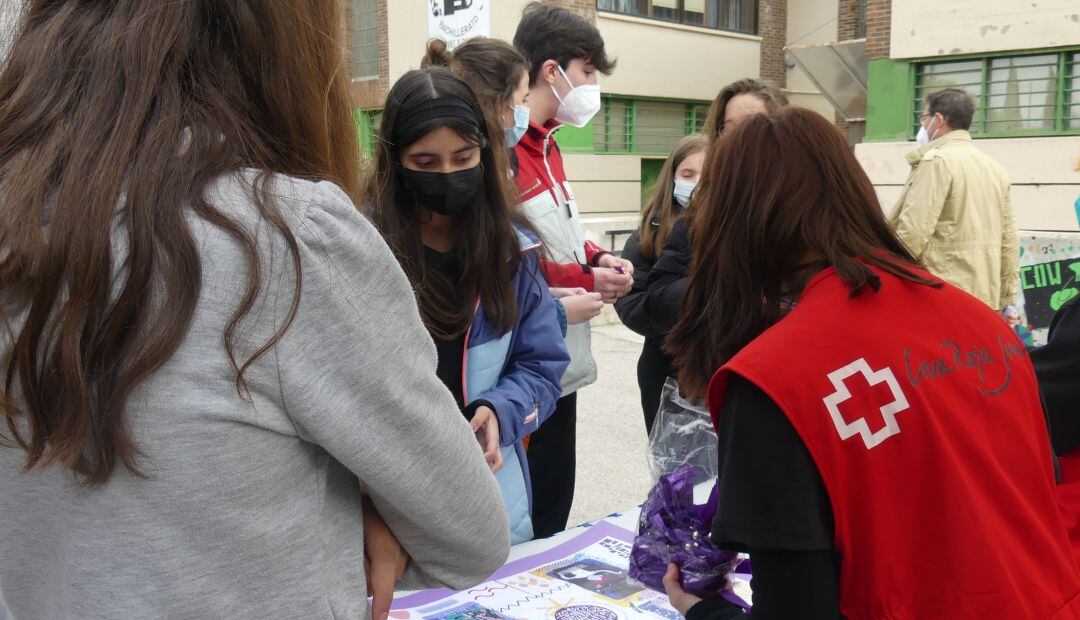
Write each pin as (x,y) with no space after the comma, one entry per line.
(579,105)
(924,136)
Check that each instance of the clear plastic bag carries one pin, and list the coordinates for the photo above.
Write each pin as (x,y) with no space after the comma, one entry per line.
(682,435)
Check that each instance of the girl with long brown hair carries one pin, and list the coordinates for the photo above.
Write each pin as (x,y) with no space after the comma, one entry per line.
(652,306)
(882,446)
(738,100)
(671,196)
(208,352)
(443,201)
(498,75)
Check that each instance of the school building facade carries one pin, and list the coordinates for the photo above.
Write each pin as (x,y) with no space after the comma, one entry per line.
(1021,62)
(673,58)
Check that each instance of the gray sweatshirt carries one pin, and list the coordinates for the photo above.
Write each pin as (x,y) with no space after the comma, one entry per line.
(252,510)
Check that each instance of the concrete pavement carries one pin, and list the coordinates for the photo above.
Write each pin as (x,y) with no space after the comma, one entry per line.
(612,474)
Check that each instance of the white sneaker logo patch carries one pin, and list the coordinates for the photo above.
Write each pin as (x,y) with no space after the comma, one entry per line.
(861,426)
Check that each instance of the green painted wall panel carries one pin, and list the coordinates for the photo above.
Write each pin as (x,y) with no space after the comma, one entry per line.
(576,140)
(889,101)
(650,174)
(363,131)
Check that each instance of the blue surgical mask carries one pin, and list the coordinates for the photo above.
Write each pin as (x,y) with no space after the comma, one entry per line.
(521,125)
(683,191)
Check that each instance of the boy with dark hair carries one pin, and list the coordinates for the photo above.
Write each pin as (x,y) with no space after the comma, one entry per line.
(565,53)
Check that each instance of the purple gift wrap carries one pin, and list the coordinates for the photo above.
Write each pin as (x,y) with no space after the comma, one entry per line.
(674,529)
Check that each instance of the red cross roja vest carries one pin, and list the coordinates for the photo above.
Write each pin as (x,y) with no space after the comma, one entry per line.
(920,409)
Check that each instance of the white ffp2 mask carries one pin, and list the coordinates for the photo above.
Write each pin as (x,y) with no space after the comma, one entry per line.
(579,105)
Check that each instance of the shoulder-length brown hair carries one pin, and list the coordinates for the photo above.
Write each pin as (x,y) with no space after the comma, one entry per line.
(486,245)
(785,197)
(662,211)
(771,97)
(144,103)
(492,68)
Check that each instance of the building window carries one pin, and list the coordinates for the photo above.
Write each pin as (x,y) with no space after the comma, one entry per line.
(860,27)
(645,126)
(701,113)
(1072,93)
(1016,95)
(735,15)
(611,129)
(365,38)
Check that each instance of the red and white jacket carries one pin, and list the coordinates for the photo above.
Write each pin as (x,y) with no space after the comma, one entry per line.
(548,203)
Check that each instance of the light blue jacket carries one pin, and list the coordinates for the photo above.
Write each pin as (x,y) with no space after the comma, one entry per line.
(519,374)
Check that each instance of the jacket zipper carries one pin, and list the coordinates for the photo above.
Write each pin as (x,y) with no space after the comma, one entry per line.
(468,334)
(561,190)
(465,356)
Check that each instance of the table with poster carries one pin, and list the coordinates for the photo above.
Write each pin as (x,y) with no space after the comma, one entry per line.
(579,574)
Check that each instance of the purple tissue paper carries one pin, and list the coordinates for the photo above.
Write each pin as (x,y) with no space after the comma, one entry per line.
(674,529)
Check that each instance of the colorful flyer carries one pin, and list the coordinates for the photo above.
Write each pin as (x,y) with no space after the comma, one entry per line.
(584,578)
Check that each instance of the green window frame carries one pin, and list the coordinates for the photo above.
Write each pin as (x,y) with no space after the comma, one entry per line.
(1036,93)
(645,126)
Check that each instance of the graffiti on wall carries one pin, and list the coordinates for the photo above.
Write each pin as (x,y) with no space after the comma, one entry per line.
(1049,277)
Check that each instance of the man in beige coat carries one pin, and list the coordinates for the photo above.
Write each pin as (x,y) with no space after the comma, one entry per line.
(955,214)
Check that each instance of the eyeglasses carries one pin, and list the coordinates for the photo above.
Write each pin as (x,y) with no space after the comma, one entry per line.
(922,116)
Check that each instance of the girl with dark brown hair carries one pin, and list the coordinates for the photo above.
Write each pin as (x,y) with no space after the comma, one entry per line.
(739,99)
(208,352)
(882,447)
(652,306)
(671,196)
(498,75)
(443,201)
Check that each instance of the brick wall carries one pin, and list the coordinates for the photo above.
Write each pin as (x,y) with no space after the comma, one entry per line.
(772,26)
(848,18)
(878,28)
(371,92)
(848,22)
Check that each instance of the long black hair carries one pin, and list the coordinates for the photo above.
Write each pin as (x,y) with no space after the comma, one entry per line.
(486,246)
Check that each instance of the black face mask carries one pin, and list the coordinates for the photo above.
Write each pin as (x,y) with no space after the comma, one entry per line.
(445,193)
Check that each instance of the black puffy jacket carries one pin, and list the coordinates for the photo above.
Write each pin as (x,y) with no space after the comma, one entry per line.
(651,308)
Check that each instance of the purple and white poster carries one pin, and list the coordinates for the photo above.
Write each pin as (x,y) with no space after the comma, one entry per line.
(584,578)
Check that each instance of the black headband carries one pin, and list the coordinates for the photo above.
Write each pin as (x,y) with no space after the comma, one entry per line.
(411,118)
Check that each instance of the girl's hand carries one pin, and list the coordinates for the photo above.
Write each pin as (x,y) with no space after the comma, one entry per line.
(384,561)
(614,262)
(486,426)
(611,284)
(680,600)
(582,307)
(559,293)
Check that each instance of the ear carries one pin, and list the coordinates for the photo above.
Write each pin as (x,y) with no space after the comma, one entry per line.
(549,70)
